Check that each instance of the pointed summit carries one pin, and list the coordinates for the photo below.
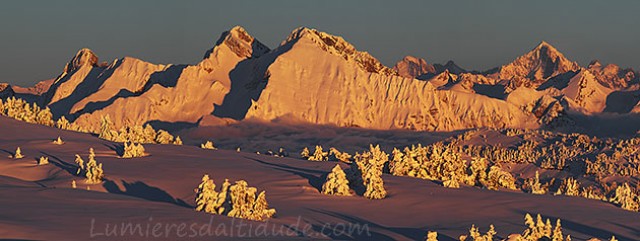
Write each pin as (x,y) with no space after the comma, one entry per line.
(84,57)
(542,62)
(594,64)
(239,42)
(336,45)
(450,66)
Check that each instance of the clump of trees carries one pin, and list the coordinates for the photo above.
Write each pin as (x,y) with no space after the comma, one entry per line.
(626,197)
(92,170)
(133,150)
(538,229)
(208,145)
(569,187)
(237,200)
(475,234)
(137,134)
(23,111)
(336,183)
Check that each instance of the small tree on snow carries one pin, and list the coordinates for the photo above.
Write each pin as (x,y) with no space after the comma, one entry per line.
(18,154)
(43,160)
(305,153)
(432,236)
(58,141)
(94,172)
(319,155)
(535,186)
(177,141)
(80,164)
(337,183)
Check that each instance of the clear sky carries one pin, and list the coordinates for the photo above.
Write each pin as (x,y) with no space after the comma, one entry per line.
(39,37)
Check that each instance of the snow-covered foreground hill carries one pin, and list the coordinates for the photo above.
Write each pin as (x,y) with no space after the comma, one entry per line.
(156,194)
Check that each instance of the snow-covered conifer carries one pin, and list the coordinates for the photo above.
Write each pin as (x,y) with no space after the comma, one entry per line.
(336,183)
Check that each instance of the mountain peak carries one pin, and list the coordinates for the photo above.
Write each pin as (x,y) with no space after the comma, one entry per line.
(542,62)
(450,66)
(412,67)
(83,57)
(239,42)
(336,45)
(594,64)
(544,44)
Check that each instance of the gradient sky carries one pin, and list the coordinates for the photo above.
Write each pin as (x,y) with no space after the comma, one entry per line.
(39,37)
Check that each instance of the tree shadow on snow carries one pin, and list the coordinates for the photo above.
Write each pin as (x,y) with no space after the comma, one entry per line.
(142,190)
(70,168)
(315,178)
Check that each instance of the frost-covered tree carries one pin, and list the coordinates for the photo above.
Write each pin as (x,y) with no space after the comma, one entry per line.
(238,200)
(18,154)
(557,232)
(475,234)
(498,178)
(305,153)
(58,141)
(163,137)
(336,183)
(43,160)
(432,236)
(133,150)
(535,186)
(335,154)
(569,187)
(93,169)
(245,204)
(208,145)
(207,199)
(63,123)
(177,141)
(106,129)
(80,164)
(434,162)
(44,117)
(369,171)
(539,229)
(626,197)
(319,155)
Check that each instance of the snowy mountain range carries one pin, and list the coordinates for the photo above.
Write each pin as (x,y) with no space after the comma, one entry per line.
(318,78)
